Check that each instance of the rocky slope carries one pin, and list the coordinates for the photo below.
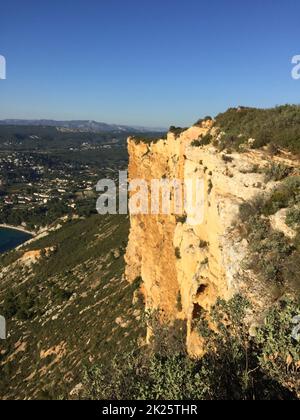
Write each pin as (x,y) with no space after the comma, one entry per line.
(186,267)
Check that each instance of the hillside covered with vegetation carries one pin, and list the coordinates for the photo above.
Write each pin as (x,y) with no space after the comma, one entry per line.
(278,126)
(67,306)
(235,366)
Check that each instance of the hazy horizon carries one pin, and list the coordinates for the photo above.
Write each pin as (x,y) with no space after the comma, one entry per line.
(79,119)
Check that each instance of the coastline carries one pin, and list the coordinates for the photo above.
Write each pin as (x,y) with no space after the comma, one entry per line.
(19,228)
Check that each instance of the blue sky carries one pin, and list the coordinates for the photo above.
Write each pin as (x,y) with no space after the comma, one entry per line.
(152,63)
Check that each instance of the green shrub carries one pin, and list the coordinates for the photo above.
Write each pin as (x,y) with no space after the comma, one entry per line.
(61,295)
(181,219)
(202,141)
(21,306)
(291,272)
(202,120)
(137,283)
(279,353)
(268,250)
(293,218)
(203,244)
(279,126)
(205,261)
(296,241)
(284,196)
(177,130)
(26,302)
(272,256)
(179,302)
(177,253)
(251,208)
(144,377)
(10,305)
(278,200)
(196,143)
(207,139)
(227,159)
(229,142)
(276,172)
(234,367)
(273,149)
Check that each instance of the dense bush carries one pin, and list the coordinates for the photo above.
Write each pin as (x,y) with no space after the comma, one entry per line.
(202,141)
(234,367)
(21,305)
(206,139)
(287,194)
(140,376)
(274,257)
(202,120)
(269,253)
(279,126)
(10,305)
(196,143)
(293,217)
(176,130)
(277,172)
(278,351)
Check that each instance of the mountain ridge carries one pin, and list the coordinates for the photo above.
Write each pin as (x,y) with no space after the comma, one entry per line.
(82,125)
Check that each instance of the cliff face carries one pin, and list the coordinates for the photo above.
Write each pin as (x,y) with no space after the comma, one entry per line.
(186,267)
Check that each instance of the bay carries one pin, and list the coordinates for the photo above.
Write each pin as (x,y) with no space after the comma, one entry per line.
(11,238)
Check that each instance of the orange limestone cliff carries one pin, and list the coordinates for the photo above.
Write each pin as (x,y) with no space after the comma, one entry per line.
(186,267)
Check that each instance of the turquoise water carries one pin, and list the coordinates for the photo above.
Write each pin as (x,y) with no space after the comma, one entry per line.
(10,238)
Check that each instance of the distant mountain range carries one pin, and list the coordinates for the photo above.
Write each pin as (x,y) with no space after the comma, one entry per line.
(81,125)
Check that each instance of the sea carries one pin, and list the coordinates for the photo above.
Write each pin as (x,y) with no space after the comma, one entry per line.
(11,238)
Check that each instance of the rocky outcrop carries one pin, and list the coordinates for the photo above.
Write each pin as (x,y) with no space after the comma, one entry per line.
(186,267)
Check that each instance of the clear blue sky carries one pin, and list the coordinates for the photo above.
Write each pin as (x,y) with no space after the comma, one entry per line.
(146,62)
